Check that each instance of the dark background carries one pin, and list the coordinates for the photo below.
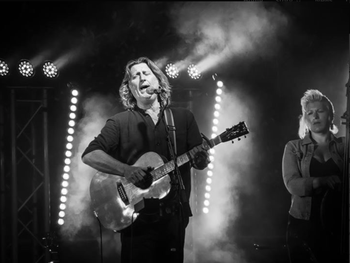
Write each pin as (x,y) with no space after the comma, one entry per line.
(314,53)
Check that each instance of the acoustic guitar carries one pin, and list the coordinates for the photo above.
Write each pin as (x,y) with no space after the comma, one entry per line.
(113,198)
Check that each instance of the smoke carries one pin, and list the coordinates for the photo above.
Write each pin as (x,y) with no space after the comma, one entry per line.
(218,31)
(96,110)
(233,175)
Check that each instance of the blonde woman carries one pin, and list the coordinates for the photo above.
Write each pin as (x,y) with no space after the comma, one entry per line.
(312,166)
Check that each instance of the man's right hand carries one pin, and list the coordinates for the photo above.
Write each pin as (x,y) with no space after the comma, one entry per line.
(134,174)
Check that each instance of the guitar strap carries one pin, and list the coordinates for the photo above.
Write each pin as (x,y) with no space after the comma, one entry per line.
(169,120)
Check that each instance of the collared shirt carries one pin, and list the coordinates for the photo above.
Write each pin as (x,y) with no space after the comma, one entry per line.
(296,172)
(128,135)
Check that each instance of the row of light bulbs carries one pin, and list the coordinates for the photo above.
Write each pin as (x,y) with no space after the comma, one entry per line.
(26,69)
(68,155)
(173,72)
(50,70)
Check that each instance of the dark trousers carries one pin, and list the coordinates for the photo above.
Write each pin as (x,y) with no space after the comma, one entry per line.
(158,242)
(308,242)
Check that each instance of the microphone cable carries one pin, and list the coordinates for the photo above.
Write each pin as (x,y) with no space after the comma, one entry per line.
(131,234)
(101,246)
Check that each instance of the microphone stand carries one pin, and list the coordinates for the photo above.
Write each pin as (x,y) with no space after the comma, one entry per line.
(176,180)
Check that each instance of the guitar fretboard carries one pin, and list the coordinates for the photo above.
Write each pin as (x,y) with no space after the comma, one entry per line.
(180,160)
(169,167)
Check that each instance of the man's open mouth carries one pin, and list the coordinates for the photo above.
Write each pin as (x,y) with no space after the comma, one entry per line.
(144,87)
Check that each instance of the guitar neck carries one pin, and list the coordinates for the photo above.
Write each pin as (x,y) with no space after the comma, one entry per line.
(181,160)
(169,166)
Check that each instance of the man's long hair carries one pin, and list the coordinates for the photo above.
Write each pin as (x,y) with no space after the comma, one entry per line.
(126,96)
(313,95)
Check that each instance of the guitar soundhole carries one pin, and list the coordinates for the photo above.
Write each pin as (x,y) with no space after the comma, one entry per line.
(146,182)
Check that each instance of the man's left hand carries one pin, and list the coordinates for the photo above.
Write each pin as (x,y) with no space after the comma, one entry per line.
(200,158)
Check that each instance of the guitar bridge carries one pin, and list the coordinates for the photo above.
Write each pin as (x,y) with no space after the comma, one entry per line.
(122,193)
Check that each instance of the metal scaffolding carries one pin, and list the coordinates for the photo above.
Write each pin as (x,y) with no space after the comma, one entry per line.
(25,181)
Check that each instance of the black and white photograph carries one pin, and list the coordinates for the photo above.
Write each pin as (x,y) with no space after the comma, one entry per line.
(174,131)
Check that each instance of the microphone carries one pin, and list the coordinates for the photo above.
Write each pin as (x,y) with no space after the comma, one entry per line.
(153,90)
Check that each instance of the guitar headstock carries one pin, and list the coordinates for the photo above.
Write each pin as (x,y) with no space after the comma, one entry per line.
(234,132)
(230,134)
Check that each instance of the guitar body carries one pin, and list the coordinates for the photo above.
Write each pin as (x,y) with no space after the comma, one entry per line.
(113,198)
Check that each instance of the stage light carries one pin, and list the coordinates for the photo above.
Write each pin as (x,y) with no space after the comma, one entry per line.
(4,68)
(193,72)
(68,153)
(218,99)
(66,168)
(71,123)
(71,131)
(26,68)
(72,115)
(216,121)
(50,70)
(172,71)
(220,84)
